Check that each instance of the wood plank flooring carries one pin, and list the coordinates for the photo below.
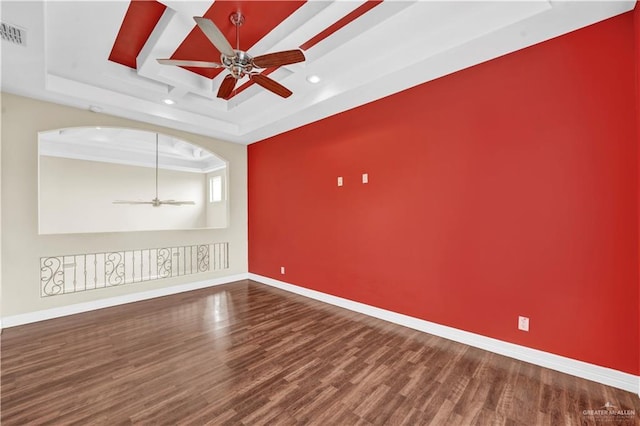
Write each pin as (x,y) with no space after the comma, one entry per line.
(245,353)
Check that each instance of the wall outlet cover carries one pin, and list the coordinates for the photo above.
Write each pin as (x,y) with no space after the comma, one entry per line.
(523,323)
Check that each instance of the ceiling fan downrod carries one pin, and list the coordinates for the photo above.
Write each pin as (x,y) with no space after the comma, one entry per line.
(237,19)
(241,63)
(156,202)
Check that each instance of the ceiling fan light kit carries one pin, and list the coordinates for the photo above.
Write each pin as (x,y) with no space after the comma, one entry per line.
(238,62)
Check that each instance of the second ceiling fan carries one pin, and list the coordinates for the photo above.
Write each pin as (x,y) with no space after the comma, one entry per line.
(238,62)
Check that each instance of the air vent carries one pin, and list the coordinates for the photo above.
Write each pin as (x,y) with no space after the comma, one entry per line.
(13,34)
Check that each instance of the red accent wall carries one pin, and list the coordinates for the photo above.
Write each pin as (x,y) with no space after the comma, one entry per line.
(636,16)
(509,188)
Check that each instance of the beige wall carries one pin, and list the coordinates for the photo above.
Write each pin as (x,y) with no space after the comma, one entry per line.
(2,111)
(22,247)
(77,196)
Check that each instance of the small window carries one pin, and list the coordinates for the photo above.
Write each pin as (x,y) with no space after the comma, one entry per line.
(215,189)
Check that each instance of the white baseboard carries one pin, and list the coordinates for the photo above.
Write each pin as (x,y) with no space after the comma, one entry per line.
(596,373)
(20,319)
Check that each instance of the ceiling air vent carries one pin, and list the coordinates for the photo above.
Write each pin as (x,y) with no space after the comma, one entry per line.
(13,34)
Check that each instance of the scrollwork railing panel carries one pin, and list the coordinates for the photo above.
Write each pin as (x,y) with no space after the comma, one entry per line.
(82,272)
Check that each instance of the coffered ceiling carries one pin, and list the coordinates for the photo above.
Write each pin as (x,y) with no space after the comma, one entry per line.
(102,55)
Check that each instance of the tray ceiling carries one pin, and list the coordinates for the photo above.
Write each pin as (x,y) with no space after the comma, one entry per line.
(102,55)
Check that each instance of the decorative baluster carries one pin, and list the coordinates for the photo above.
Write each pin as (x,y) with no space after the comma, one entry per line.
(51,275)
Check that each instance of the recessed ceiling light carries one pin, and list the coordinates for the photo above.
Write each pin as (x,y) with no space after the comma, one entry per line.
(169,101)
(313,79)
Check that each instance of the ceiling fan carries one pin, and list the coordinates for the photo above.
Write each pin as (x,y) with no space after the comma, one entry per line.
(156,202)
(239,62)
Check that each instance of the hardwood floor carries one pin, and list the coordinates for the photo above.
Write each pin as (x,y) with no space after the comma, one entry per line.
(245,353)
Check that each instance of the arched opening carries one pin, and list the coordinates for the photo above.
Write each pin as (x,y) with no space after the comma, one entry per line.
(107,179)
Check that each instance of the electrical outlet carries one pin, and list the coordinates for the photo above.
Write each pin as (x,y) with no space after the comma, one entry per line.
(365,178)
(282,270)
(339,180)
(523,323)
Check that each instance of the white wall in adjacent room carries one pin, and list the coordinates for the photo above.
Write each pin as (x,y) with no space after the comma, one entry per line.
(217,211)
(76,196)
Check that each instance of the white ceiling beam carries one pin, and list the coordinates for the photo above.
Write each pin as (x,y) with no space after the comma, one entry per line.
(173,27)
(109,98)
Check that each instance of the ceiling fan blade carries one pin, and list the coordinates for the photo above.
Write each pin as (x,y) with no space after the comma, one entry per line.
(178,203)
(131,202)
(271,85)
(277,59)
(184,63)
(215,36)
(227,86)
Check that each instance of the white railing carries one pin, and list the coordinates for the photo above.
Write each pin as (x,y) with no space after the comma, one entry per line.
(82,272)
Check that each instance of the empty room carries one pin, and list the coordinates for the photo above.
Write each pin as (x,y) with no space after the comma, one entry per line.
(320,212)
